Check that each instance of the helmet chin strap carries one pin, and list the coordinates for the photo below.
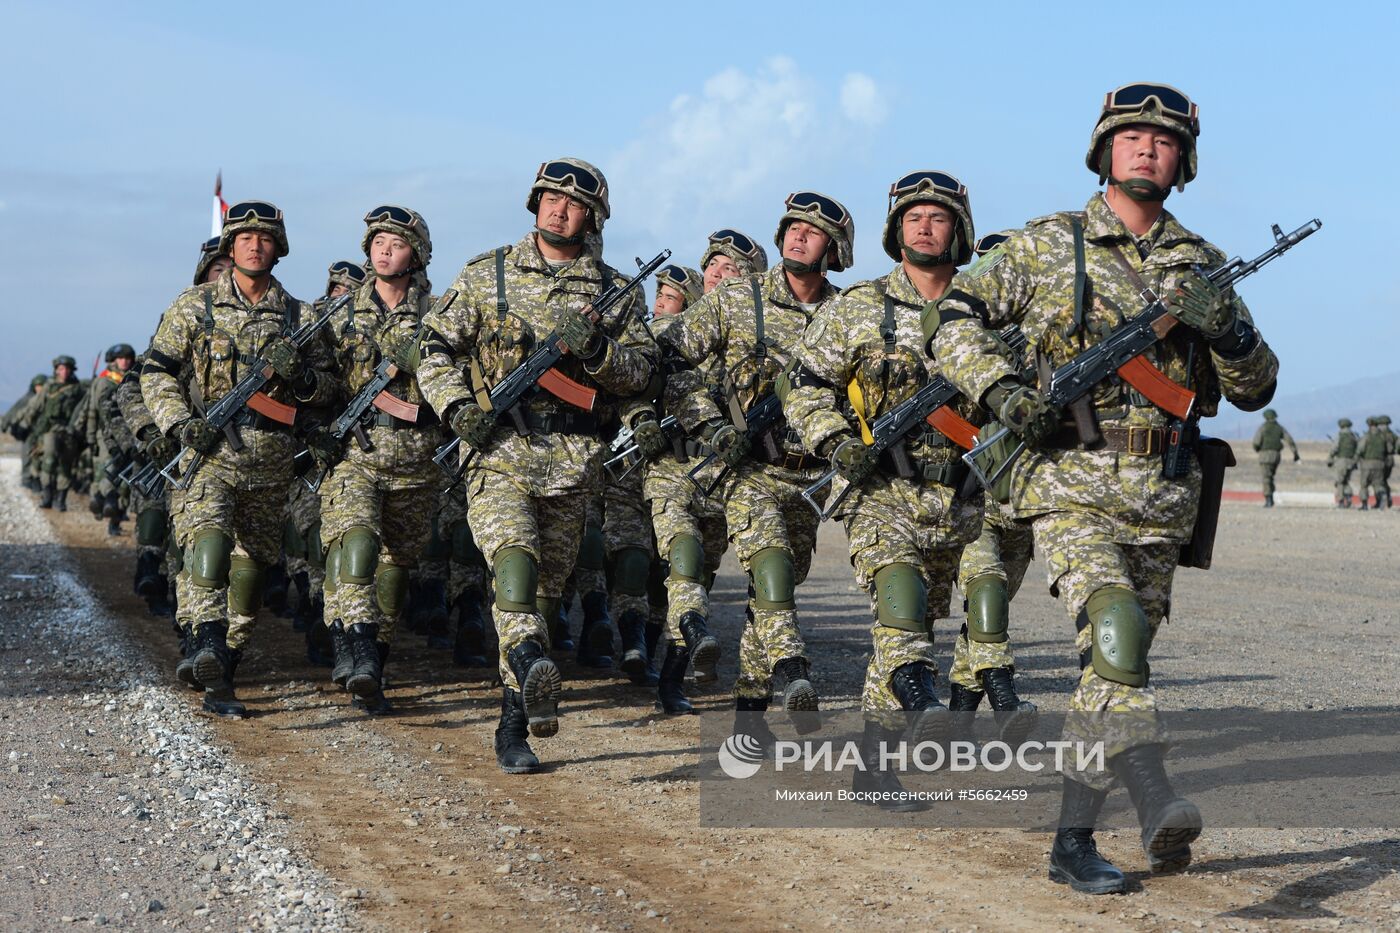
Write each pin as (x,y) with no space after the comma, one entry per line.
(258,274)
(927,260)
(797,267)
(554,239)
(1138,189)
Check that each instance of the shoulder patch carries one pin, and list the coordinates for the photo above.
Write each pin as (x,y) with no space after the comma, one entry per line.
(815,331)
(874,284)
(1063,217)
(489,254)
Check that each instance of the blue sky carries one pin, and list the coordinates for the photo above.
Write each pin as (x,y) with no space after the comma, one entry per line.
(701,115)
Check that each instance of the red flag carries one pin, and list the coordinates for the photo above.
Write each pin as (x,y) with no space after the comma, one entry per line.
(220,205)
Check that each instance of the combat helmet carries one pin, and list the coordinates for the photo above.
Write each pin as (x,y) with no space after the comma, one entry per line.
(344,272)
(65,360)
(578,179)
(744,250)
(118,350)
(827,215)
(1270,414)
(929,187)
(209,252)
(1155,104)
(262,216)
(687,281)
(1343,422)
(400,221)
(1383,419)
(39,380)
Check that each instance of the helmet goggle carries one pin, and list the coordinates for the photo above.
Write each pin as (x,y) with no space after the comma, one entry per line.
(990,242)
(253,210)
(348,269)
(941,182)
(566,172)
(1130,98)
(392,212)
(674,275)
(812,202)
(210,245)
(737,240)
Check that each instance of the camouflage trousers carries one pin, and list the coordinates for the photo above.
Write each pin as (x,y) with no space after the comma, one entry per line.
(1267,469)
(1083,555)
(102,455)
(1370,479)
(400,515)
(1341,479)
(626,525)
(672,518)
(59,460)
(764,508)
(466,567)
(302,537)
(160,507)
(503,513)
(1004,549)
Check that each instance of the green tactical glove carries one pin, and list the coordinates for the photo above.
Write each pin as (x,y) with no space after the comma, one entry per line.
(402,350)
(854,460)
(579,333)
(1023,410)
(650,439)
(1203,307)
(285,358)
(322,446)
(197,435)
(473,425)
(730,444)
(161,450)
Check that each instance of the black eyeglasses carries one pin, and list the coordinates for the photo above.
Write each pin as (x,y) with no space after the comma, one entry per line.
(1132,97)
(920,181)
(561,172)
(990,242)
(399,215)
(248,210)
(736,239)
(349,269)
(812,201)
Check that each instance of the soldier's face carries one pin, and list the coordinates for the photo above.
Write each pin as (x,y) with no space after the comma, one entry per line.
(719,268)
(561,214)
(62,371)
(668,301)
(1142,150)
(390,254)
(928,228)
(804,242)
(217,268)
(123,363)
(336,290)
(254,251)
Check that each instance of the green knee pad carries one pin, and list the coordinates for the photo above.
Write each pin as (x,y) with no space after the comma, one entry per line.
(209,558)
(315,551)
(245,585)
(1121,636)
(332,566)
(773,578)
(150,527)
(293,544)
(988,608)
(901,598)
(390,589)
(464,549)
(592,552)
(517,578)
(359,554)
(687,559)
(631,565)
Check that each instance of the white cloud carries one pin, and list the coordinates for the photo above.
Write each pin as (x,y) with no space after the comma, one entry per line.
(861,100)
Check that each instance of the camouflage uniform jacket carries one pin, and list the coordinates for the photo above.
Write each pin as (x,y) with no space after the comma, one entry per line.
(57,405)
(1374,445)
(104,385)
(719,333)
(475,327)
(1345,447)
(12,416)
(1029,281)
(213,333)
(669,475)
(359,331)
(133,405)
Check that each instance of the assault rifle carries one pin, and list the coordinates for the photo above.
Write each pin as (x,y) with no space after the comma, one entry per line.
(351,421)
(757,424)
(248,393)
(1121,352)
(537,371)
(928,406)
(626,451)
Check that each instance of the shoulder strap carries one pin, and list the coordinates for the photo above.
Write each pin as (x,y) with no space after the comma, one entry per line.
(887,326)
(1077,226)
(502,303)
(208,311)
(760,349)
(291,314)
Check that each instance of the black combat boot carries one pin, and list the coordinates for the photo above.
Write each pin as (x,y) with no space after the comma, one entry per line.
(559,637)
(912,685)
(47,496)
(60,500)
(1169,823)
(184,668)
(513,751)
(1269,501)
(1074,858)
(1016,718)
(344,663)
(704,647)
(376,703)
(275,588)
(469,647)
(112,506)
(219,698)
(210,654)
(962,710)
(670,687)
(97,505)
(302,582)
(749,720)
(319,650)
(148,581)
(595,639)
(632,629)
(799,696)
(367,669)
(652,634)
(540,686)
(876,784)
(431,608)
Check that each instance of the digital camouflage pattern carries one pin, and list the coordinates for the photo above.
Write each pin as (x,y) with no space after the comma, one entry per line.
(1268,443)
(531,491)
(53,434)
(101,436)
(1100,517)
(626,525)
(888,520)
(137,418)
(1004,549)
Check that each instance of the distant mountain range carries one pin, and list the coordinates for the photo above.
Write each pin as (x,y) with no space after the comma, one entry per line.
(1313,415)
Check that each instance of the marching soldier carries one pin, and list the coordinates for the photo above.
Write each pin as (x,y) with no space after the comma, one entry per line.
(1372,451)
(1268,443)
(1394,442)
(53,433)
(16,421)
(106,497)
(1341,460)
(1107,522)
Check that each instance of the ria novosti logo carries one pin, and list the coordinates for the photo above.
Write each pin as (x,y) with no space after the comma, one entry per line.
(740,756)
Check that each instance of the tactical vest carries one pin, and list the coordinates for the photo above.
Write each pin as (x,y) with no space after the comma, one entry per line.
(1271,436)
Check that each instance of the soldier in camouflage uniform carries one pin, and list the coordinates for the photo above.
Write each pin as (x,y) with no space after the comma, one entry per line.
(16,422)
(1341,460)
(377,503)
(749,328)
(1393,447)
(1107,522)
(106,497)
(527,494)
(466,585)
(1371,453)
(228,519)
(54,436)
(1268,443)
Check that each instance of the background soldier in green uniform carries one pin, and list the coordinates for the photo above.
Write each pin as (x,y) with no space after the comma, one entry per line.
(53,433)
(528,493)
(1341,460)
(1268,442)
(749,328)
(1394,447)
(1371,453)
(1108,523)
(228,519)
(106,497)
(17,423)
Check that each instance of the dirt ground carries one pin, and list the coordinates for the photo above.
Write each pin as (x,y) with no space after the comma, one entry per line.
(416,828)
